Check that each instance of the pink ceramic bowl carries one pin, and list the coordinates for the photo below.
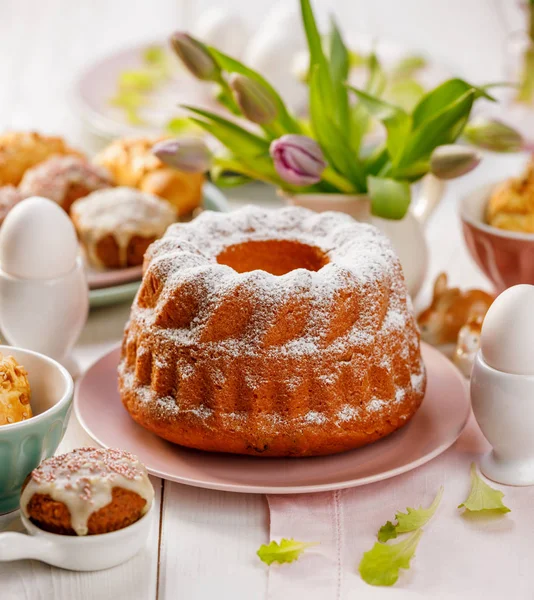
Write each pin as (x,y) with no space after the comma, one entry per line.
(506,257)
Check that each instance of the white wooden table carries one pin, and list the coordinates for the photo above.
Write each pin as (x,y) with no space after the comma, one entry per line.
(205,541)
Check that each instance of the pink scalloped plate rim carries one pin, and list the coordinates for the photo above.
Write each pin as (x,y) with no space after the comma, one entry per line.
(434,428)
(104,279)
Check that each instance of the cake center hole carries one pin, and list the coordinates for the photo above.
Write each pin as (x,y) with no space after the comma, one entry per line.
(277,257)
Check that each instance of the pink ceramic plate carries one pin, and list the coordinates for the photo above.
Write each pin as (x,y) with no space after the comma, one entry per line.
(111,277)
(434,428)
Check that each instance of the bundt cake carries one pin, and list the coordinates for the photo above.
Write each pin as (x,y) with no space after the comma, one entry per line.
(87,491)
(272,333)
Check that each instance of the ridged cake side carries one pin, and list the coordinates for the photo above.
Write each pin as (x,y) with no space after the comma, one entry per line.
(310,362)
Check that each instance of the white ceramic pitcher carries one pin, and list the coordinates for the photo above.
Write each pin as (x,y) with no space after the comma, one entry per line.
(407,235)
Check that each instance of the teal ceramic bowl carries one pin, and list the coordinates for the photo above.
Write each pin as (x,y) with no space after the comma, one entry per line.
(24,445)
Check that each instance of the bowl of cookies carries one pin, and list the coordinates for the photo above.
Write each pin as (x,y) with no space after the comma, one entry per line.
(35,400)
(498,226)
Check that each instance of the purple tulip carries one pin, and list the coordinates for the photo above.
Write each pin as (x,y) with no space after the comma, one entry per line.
(254,99)
(298,159)
(195,57)
(190,155)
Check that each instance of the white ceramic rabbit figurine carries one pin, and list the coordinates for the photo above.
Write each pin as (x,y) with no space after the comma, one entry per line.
(44,298)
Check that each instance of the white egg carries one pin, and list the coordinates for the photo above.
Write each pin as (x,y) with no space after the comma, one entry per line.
(507,338)
(37,240)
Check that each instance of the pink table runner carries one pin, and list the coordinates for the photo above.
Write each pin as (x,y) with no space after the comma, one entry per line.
(474,556)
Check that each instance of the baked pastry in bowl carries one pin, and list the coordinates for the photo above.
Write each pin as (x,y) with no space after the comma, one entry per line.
(116,226)
(87,491)
(132,163)
(64,179)
(15,392)
(272,333)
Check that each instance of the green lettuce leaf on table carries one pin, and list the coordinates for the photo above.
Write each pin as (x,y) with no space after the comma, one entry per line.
(284,552)
(381,564)
(411,520)
(483,497)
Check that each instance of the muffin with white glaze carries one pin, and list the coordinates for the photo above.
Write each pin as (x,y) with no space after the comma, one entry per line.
(116,226)
(87,491)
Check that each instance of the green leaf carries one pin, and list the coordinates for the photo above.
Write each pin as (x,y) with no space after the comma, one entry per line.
(313,36)
(285,552)
(377,160)
(237,139)
(381,564)
(360,122)
(318,62)
(438,99)
(387,532)
(412,519)
(339,71)
(180,125)
(482,496)
(413,172)
(227,179)
(405,93)
(443,127)
(376,83)
(231,65)
(332,141)
(390,199)
(396,121)
(408,66)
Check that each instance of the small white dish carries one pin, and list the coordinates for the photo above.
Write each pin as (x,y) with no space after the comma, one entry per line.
(77,553)
(503,405)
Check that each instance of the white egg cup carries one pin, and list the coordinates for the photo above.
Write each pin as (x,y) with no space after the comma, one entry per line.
(503,404)
(45,315)
(77,553)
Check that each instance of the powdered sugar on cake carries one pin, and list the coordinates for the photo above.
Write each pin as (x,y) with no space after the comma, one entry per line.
(362,263)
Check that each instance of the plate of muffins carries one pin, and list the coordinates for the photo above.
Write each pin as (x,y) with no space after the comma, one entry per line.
(274,351)
(120,201)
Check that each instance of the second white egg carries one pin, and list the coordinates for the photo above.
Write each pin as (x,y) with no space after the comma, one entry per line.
(507,338)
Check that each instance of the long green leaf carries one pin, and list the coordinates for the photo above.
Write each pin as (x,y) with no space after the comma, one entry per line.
(339,72)
(376,82)
(333,142)
(231,65)
(318,60)
(443,128)
(396,121)
(360,122)
(377,160)
(439,98)
(240,141)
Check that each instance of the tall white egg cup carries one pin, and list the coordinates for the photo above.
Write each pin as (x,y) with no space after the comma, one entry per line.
(503,404)
(45,315)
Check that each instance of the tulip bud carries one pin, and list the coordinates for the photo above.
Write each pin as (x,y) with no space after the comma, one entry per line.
(492,134)
(298,159)
(195,57)
(190,155)
(255,100)
(448,162)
